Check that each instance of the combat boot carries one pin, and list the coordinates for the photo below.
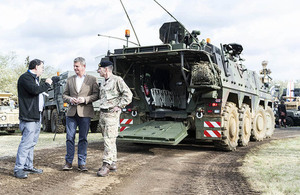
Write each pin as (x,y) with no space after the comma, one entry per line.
(104,170)
(113,167)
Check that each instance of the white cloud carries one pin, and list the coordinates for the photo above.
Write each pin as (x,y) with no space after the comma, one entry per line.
(58,31)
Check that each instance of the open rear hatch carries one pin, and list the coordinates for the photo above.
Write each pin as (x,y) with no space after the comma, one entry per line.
(155,132)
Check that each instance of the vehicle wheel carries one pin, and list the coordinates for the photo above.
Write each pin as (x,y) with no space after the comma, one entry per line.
(289,121)
(10,131)
(270,122)
(230,125)
(94,127)
(259,125)
(56,125)
(244,125)
(45,122)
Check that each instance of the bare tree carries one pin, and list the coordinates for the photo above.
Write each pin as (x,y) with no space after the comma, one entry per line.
(12,70)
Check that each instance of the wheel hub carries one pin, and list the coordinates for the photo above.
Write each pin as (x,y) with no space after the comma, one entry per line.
(232,127)
(260,123)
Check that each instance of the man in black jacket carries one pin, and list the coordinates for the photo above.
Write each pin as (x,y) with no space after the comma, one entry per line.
(31,103)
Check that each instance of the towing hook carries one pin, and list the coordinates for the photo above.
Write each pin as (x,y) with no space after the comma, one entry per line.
(199,114)
(134,113)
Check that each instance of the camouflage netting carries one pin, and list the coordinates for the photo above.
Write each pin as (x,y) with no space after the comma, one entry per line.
(205,74)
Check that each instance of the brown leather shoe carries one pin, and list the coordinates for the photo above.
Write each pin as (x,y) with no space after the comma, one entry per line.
(104,170)
(113,167)
(67,167)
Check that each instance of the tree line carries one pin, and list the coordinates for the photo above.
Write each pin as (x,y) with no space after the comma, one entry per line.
(12,69)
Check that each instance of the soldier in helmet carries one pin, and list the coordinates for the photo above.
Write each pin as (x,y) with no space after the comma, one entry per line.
(114,95)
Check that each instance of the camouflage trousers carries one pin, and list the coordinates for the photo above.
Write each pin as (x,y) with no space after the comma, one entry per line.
(109,124)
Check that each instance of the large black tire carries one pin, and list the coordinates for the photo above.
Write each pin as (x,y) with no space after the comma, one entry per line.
(259,126)
(245,122)
(270,122)
(94,127)
(230,125)
(45,122)
(10,131)
(289,121)
(56,125)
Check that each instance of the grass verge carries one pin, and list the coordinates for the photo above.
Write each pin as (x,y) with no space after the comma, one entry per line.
(274,168)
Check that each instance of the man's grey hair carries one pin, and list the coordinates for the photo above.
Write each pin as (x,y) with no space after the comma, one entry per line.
(110,68)
(81,60)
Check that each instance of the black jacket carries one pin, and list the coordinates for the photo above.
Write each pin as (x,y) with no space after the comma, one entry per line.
(281,108)
(28,94)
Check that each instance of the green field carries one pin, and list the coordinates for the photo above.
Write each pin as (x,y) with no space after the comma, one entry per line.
(274,168)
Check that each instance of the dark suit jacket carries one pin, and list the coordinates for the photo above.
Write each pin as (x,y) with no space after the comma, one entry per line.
(89,90)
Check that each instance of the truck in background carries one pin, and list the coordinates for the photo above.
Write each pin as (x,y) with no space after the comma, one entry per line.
(9,114)
(292,111)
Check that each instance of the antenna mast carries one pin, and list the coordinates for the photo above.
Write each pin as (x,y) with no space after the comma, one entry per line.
(131,24)
(118,39)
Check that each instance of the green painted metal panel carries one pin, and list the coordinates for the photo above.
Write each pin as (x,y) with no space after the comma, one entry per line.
(155,132)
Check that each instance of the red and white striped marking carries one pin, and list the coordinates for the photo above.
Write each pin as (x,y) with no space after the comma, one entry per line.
(212,124)
(126,121)
(123,128)
(212,133)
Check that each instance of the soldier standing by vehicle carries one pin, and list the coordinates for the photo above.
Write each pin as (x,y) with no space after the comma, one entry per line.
(31,103)
(282,113)
(80,91)
(114,95)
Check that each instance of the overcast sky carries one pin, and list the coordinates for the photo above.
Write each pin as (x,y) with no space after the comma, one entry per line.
(57,31)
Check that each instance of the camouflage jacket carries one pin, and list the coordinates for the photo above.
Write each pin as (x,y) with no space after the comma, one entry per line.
(114,92)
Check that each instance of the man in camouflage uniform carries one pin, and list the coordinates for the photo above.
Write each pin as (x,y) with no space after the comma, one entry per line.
(114,95)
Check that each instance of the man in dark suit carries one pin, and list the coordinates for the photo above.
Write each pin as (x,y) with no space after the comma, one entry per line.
(80,91)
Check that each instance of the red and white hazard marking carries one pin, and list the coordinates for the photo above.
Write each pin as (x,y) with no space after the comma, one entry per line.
(126,121)
(212,124)
(212,133)
(123,128)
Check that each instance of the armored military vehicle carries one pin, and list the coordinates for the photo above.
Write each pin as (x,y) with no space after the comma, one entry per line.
(9,114)
(292,111)
(189,86)
(292,118)
(54,114)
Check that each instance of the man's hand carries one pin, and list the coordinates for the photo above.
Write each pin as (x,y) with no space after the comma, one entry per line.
(48,80)
(116,109)
(80,100)
(73,101)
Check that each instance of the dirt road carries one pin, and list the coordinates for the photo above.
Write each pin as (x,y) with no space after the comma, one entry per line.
(188,168)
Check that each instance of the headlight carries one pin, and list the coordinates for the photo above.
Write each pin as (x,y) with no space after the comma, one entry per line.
(3,117)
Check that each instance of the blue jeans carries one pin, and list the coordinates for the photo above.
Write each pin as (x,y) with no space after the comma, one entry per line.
(30,135)
(84,124)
